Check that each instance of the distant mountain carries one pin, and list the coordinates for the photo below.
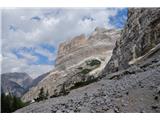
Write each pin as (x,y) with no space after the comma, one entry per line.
(15,83)
(18,83)
(38,79)
(23,79)
(11,87)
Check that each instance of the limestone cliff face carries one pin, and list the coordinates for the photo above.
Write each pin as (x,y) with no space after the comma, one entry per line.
(79,60)
(67,47)
(140,39)
(98,44)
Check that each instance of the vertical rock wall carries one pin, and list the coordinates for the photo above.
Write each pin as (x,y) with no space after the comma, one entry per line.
(140,35)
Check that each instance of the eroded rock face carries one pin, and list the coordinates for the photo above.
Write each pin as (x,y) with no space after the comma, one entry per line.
(73,66)
(69,47)
(140,36)
(74,51)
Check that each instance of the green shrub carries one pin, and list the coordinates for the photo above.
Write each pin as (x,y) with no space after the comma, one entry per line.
(85,71)
(80,68)
(93,62)
(42,95)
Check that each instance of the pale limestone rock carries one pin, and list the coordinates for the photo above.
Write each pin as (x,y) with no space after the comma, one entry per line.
(140,37)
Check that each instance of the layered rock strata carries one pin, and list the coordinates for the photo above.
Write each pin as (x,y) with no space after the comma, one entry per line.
(141,36)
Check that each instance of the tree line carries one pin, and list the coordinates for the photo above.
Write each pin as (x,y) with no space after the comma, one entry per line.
(10,103)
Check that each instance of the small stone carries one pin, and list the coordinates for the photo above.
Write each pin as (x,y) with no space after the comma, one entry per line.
(141,99)
(116,109)
(154,107)
(127,93)
(142,111)
(110,111)
(156,97)
(158,90)
(58,111)
(99,109)
(71,111)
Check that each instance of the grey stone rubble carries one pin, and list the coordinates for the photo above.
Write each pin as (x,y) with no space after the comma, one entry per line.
(138,92)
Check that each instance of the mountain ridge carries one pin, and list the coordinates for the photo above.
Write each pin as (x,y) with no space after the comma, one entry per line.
(18,83)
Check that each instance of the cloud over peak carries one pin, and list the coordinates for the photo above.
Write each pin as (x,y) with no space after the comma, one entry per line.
(30,37)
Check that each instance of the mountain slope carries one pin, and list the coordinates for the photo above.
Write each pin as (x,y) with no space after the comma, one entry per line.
(23,79)
(11,87)
(19,83)
(79,61)
(132,93)
(131,79)
(15,83)
(38,79)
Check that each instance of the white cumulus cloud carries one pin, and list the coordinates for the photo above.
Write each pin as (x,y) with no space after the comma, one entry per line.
(32,27)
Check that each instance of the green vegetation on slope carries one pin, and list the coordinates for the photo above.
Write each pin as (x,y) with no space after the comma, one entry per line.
(89,80)
(93,62)
(10,103)
(42,95)
(90,65)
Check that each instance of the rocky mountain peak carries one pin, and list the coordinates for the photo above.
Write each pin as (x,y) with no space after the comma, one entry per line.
(16,83)
(21,78)
(75,50)
(78,60)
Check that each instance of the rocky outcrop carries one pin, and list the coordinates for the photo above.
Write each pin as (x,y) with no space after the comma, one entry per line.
(75,50)
(79,61)
(139,41)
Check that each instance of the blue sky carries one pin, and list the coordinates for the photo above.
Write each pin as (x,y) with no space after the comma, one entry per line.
(30,37)
(119,19)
